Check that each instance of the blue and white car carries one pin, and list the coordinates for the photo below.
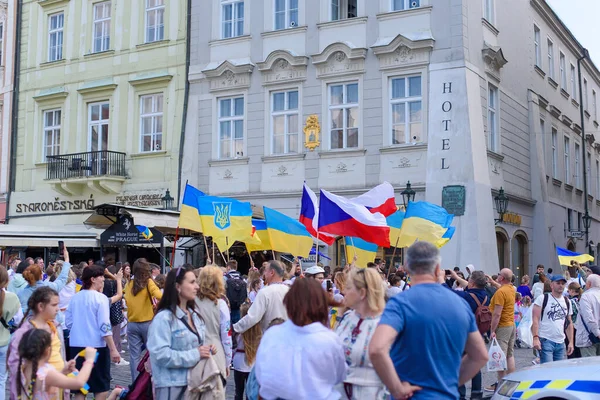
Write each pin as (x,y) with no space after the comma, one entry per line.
(576,379)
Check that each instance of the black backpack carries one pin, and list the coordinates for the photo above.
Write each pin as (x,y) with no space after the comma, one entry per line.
(237,292)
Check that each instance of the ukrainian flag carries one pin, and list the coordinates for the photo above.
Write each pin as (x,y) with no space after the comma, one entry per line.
(189,216)
(425,221)
(364,251)
(446,238)
(260,238)
(395,221)
(287,235)
(225,220)
(566,256)
(145,231)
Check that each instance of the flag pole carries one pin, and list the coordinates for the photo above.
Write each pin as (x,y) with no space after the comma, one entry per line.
(227,243)
(354,247)
(393,255)
(174,245)
(213,249)
(317,248)
(205,245)
(273,253)
(346,251)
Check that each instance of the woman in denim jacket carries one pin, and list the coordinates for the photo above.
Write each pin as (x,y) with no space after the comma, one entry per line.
(176,335)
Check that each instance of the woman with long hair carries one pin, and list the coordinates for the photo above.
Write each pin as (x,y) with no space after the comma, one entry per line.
(245,354)
(253,289)
(41,312)
(113,289)
(302,352)
(366,299)
(9,305)
(215,313)
(176,336)
(141,293)
(88,318)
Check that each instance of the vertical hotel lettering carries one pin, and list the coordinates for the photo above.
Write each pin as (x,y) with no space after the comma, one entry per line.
(446,108)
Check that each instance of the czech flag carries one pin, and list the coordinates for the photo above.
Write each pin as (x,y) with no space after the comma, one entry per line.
(364,251)
(566,256)
(189,216)
(309,215)
(260,233)
(425,221)
(145,231)
(287,235)
(380,199)
(340,216)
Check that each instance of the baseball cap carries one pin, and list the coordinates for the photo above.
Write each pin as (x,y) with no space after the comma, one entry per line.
(556,278)
(314,270)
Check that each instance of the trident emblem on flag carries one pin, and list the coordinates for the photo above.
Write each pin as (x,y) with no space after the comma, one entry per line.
(222,215)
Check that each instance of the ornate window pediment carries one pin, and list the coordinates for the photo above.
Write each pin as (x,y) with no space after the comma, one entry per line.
(229,74)
(403,50)
(341,58)
(283,66)
(494,60)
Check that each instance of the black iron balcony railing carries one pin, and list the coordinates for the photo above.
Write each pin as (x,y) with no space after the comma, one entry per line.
(82,165)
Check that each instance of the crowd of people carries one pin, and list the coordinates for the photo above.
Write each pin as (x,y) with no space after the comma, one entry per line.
(283,332)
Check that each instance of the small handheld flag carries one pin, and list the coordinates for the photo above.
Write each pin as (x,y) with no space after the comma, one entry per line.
(566,256)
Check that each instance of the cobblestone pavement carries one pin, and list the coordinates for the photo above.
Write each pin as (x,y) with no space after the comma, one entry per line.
(122,376)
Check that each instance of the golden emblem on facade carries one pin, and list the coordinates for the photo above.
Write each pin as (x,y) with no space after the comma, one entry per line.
(312,132)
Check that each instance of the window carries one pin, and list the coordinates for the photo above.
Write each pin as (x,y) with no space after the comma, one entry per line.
(231,127)
(585,94)
(98,122)
(155,20)
(554,153)
(101,26)
(1,41)
(597,179)
(343,115)
(567,166)
(550,59)
(492,118)
(284,122)
(579,221)
(56,24)
(594,105)
(563,72)
(569,219)
(406,110)
(151,122)
(577,166)
(537,48)
(398,5)
(543,133)
(286,14)
(588,169)
(232,16)
(52,133)
(343,9)
(488,10)
(573,86)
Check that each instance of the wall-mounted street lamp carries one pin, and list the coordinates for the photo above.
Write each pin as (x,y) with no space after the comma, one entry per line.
(167,201)
(408,195)
(501,201)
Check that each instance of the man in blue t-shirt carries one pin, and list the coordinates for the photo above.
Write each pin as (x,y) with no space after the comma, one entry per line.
(423,334)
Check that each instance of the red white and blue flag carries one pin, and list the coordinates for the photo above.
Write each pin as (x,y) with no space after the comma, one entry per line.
(340,216)
(380,199)
(309,215)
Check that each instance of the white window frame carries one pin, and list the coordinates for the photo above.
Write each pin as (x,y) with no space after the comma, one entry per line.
(550,58)
(577,166)
(54,129)
(158,10)
(154,115)
(595,104)
(573,85)
(567,160)
(554,152)
(543,132)
(231,118)
(104,23)
(344,106)
(563,72)
(488,11)
(234,30)
(585,94)
(597,179)
(492,118)
(99,123)
(537,37)
(406,4)
(408,136)
(56,53)
(588,168)
(289,22)
(1,43)
(286,113)
(342,7)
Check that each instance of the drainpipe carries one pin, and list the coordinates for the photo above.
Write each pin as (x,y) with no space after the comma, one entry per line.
(584,152)
(15,109)
(185,99)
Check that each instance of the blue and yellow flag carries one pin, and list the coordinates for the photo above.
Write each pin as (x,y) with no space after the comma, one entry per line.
(446,238)
(395,221)
(145,231)
(364,251)
(189,216)
(425,221)
(566,256)
(260,238)
(287,235)
(225,220)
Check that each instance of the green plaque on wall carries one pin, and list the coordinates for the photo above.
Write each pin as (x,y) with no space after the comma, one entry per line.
(453,199)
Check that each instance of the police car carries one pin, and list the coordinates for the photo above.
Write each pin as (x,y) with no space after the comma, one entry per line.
(576,379)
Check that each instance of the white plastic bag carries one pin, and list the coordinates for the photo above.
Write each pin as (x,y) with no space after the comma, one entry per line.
(524,329)
(497,358)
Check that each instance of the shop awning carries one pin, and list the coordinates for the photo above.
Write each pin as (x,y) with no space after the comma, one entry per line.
(105,215)
(35,236)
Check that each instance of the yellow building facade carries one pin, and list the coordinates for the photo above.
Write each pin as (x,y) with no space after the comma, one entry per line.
(102,90)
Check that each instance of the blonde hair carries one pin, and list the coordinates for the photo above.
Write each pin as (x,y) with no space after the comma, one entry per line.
(251,337)
(58,269)
(211,283)
(340,281)
(369,279)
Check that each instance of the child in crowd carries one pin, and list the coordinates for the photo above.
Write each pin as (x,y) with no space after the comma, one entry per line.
(245,354)
(575,292)
(518,315)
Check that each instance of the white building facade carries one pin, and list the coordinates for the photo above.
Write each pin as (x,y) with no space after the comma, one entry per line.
(445,95)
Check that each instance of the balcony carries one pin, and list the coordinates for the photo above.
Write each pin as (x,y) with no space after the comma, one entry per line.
(102,171)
